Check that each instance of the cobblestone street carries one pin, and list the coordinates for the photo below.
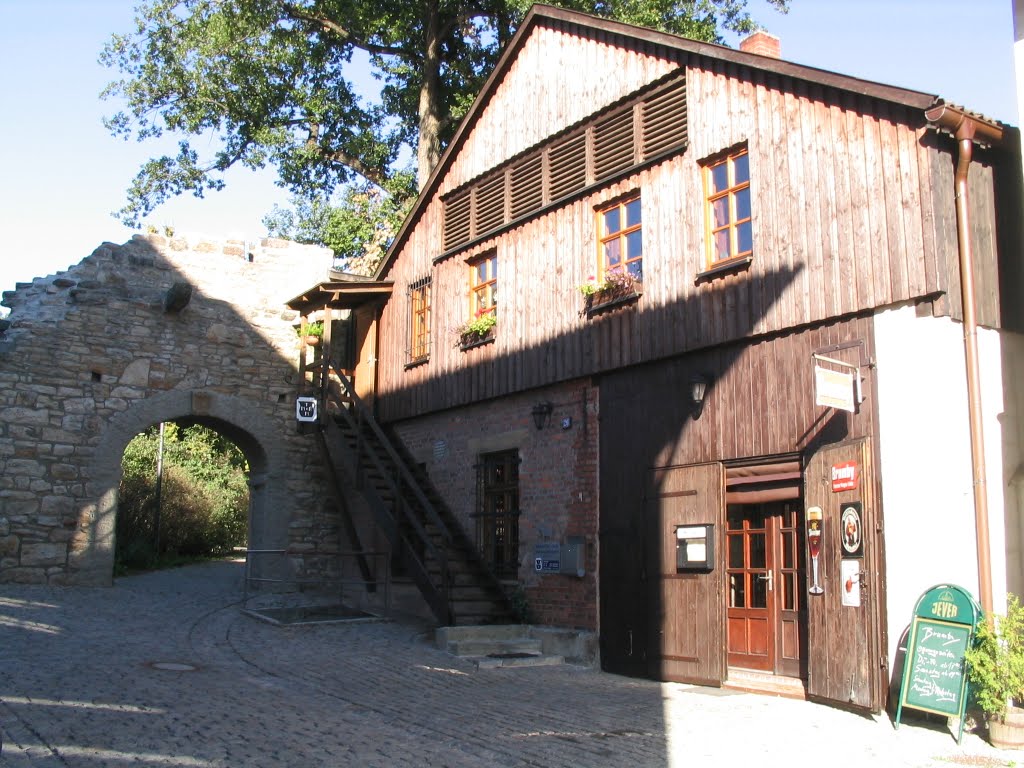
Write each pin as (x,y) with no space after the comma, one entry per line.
(165,669)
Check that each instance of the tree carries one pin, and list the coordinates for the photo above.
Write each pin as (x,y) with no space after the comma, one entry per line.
(274,82)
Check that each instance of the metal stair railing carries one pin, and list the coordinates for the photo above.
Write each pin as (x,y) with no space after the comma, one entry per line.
(356,418)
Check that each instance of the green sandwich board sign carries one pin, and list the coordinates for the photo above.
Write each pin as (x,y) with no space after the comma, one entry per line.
(934,675)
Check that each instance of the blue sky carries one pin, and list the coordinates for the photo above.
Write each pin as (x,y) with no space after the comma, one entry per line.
(62,174)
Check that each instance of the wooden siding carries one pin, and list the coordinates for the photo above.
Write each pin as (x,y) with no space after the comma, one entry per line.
(852,211)
(558,78)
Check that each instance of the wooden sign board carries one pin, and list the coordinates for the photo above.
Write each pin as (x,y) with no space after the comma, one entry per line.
(934,675)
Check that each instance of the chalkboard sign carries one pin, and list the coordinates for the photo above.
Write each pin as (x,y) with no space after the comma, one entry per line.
(934,676)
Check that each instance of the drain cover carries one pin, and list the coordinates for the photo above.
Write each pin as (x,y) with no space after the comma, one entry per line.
(173,666)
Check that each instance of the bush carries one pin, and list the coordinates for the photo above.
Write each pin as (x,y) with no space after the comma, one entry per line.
(204,498)
(995,663)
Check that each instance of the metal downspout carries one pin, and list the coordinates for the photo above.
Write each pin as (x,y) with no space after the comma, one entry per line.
(966,129)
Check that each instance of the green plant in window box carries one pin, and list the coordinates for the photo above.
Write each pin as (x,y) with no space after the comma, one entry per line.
(616,285)
(478,329)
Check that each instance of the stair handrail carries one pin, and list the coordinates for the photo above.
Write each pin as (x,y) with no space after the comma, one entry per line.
(397,460)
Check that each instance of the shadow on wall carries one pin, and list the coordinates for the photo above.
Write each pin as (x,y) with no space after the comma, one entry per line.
(153,330)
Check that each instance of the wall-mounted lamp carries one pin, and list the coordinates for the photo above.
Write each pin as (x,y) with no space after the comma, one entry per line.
(541,413)
(698,388)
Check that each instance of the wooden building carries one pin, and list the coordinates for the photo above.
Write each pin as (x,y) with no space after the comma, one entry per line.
(728,295)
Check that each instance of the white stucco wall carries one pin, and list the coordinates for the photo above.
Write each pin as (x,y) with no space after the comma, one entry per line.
(925,462)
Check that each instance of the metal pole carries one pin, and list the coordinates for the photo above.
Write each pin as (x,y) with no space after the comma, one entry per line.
(159,483)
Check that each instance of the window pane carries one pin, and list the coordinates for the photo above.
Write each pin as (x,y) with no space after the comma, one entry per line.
(720,212)
(719,176)
(734,517)
(633,213)
(737,598)
(721,245)
(789,591)
(788,548)
(612,253)
(759,591)
(741,169)
(735,551)
(636,269)
(743,204)
(611,221)
(744,238)
(757,555)
(634,245)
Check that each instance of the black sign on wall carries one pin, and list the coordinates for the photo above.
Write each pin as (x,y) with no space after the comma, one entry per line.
(851,532)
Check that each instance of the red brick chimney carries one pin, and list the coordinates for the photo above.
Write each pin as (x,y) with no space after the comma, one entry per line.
(762,43)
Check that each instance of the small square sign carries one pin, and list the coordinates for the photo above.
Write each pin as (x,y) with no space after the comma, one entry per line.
(305,408)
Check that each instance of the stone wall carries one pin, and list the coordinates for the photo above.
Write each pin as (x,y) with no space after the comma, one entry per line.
(92,356)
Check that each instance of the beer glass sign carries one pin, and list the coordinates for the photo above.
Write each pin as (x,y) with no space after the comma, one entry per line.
(814,523)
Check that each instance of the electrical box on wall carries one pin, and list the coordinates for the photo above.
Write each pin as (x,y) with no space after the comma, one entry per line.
(573,556)
(695,547)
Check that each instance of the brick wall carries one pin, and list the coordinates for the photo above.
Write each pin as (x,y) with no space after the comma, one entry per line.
(557,484)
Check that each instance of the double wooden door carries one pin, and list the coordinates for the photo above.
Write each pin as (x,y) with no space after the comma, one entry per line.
(765,612)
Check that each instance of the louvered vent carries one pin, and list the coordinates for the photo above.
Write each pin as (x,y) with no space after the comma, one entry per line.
(526,191)
(457,220)
(490,204)
(613,145)
(567,166)
(664,120)
(634,130)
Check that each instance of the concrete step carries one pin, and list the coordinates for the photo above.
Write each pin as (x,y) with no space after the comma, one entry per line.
(495,662)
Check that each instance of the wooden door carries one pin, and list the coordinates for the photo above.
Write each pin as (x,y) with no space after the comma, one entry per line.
(845,663)
(366,354)
(686,607)
(764,571)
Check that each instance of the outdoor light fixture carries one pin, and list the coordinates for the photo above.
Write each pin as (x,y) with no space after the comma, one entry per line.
(541,413)
(698,388)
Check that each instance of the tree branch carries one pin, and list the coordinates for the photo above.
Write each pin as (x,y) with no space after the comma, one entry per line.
(333,27)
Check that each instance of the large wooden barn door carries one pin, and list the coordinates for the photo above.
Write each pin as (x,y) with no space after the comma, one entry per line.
(844,628)
(688,644)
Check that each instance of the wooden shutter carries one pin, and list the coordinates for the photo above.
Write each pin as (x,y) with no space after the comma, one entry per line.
(526,187)
(664,120)
(613,145)
(567,166)
(457,219)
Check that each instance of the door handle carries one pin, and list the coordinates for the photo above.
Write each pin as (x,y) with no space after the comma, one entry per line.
(768,576)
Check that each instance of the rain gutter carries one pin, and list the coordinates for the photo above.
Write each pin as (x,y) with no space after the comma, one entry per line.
(969,129)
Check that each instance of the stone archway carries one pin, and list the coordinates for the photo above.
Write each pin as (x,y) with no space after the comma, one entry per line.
(153,330)
(92,559)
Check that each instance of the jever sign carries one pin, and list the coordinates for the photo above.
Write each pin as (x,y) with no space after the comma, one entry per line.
(844,476)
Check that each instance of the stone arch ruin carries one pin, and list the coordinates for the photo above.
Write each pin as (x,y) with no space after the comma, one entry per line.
(156,329)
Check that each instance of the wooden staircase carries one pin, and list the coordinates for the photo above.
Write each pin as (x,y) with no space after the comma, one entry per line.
(424,535)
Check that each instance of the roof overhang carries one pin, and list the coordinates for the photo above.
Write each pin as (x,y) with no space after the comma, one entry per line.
(342,294)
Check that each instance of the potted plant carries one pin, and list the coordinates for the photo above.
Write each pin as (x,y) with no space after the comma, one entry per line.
(477,330)
(995,669)
(617,287)
(314,332)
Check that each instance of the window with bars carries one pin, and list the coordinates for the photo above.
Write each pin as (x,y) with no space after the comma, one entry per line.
(728,208)
(620,240)
(483,279)
(419,320)
(497,511)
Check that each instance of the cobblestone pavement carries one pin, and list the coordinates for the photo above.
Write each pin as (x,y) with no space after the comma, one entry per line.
(165,670)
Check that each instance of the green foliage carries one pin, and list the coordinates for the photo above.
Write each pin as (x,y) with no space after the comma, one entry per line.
(204,497)
(995,663)
(272,84)
(358,229)
(478,327)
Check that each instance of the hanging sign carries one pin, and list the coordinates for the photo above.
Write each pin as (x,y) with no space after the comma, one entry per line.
(934,676)
(836,389)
